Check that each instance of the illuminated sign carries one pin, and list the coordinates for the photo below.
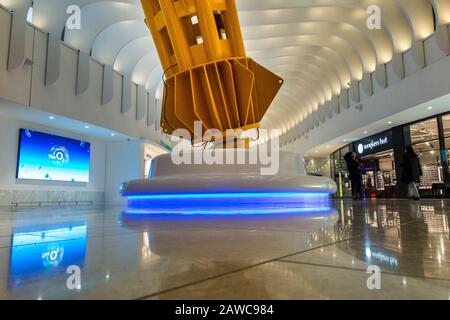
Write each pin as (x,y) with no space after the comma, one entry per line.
(44,156)
(374,144)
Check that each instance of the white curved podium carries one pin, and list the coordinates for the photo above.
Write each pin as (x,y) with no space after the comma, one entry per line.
(222,188)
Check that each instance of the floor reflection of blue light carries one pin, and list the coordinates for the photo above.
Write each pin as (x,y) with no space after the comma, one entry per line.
(231,211)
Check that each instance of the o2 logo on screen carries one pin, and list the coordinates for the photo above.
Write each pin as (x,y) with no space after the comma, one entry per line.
(59,155)
(53,256)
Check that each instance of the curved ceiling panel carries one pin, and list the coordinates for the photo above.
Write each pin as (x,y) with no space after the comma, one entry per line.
(131,54)
(337,60)
(442,9)
(335,43)
(322,67)
(98,16)
(111,40)
(144,66)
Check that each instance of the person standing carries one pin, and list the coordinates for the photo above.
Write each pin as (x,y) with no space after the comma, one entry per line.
(355,175)
(412,171)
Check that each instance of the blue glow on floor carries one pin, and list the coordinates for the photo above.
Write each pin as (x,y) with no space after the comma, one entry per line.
(229,212)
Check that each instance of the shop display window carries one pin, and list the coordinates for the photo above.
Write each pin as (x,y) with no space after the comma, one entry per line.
(425,141)
(339,172)
(446,127)
(379,176)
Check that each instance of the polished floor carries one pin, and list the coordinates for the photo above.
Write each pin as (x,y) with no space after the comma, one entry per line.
(305,255)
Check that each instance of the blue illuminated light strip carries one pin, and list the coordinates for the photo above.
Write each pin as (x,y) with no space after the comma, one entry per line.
(229,195)
(232,211)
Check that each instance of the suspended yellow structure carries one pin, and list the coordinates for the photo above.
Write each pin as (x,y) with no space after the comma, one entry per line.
(208,76)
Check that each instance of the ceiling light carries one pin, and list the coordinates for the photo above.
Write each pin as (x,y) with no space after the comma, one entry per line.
(390,122)
(365,132)
(51,118)
(430,108)
(113,134)
(86,127)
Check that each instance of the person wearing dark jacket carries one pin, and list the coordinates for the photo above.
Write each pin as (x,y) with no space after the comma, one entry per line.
(355,175)
(412,171)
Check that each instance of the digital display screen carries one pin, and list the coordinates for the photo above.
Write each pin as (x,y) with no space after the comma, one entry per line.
(46,252)
(44,156)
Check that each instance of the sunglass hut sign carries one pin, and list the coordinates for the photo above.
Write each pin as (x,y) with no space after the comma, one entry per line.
(374,144)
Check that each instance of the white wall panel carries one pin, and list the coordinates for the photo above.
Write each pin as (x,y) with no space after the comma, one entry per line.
(437,46)
(379,78)
(83,74)
(327,110)
(18,32)
(60,98)
(335,105)
(108,84)
(344,102)
(14,83)
(414,58)
(141,107)
(124,161)
(322,115)
(134,98)
(354,94)
(365,86)
(395,69)
(126,93)
(53,58)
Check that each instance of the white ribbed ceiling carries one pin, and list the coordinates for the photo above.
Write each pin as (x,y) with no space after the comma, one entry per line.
(317,46)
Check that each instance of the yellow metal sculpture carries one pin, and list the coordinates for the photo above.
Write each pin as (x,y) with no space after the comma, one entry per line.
(209,78)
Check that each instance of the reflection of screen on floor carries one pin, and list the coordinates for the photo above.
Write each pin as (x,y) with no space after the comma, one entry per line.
(48,157)
(47,251)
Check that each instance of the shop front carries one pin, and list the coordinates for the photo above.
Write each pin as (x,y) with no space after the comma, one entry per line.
(378,165)
(339,172)
(430,140)
(381,159)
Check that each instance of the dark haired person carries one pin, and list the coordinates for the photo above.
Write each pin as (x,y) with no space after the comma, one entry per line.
(412,171)
(355,175)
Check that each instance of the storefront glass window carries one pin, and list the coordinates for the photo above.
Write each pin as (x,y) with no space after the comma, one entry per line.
(379,175)
(446,126)
(332,166)
(339,172)
(425,141)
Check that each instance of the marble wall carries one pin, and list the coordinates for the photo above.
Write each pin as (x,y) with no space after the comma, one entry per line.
(8,197)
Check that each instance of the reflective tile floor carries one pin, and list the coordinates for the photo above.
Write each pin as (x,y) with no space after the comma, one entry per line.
(307,255)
